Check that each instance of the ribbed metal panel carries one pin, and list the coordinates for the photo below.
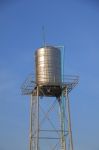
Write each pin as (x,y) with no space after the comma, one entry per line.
(48,65)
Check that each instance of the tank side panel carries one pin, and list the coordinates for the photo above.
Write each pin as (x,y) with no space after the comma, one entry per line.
(48,65)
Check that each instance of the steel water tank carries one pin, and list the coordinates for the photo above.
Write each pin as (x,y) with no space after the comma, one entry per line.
(48,65)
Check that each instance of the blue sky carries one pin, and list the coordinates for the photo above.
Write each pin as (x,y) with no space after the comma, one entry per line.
(72,23)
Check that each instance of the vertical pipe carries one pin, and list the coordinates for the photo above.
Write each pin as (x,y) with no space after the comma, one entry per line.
(62,62)
(30,137)
(69,120)
(61,103)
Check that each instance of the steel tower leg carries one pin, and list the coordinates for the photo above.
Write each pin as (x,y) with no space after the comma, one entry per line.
(34,122)
(62,121)
(69,121)
(30,144)
(37,146)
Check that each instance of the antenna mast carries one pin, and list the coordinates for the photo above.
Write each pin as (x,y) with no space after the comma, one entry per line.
(43,35)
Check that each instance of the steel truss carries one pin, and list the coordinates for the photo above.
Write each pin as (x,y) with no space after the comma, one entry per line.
(47,131)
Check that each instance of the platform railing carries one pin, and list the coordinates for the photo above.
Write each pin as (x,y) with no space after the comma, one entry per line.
(30,83)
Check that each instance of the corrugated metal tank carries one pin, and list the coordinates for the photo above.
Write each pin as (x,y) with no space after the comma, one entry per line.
(48,65)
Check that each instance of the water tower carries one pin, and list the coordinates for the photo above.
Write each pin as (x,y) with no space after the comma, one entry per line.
(49,88)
